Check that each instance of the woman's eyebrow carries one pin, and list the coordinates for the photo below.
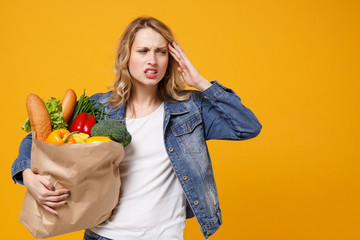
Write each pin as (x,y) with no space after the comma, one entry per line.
(164,47)
(159,48)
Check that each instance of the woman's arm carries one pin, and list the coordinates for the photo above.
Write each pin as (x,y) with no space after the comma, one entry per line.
(224,116)
(23,160)
(39,187)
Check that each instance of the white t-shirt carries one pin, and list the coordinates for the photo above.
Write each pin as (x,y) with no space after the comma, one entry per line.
(152,203)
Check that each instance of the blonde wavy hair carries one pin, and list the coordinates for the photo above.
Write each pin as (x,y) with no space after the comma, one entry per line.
(172,84)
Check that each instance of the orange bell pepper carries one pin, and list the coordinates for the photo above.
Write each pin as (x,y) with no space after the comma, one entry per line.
(61,136)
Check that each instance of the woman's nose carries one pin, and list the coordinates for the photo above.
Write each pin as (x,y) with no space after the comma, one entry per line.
(152,58)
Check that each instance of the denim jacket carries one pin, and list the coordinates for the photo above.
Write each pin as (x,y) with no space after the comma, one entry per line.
(215,113)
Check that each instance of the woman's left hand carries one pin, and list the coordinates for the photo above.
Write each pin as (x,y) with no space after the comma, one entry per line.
(191,76)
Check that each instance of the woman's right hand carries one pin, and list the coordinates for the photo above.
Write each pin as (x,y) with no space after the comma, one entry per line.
(44,192)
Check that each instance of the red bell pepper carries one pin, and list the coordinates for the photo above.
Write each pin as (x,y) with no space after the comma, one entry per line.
(83,123)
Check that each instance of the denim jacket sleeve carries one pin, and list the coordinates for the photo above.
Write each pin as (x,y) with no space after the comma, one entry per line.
(23,161)
(225,117)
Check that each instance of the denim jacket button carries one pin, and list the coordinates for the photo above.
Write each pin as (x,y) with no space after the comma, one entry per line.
(171,149)
(184,178)
(196,202)
(208,232)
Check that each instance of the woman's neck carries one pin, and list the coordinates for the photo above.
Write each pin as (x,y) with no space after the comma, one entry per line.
(143,101)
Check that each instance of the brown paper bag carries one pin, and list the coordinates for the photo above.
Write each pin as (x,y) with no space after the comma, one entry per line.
(90,171)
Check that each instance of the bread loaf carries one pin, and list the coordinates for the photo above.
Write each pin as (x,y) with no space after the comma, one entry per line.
(68,104)
(39,117)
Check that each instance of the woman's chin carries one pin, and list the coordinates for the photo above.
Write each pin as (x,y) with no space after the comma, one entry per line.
(147,83)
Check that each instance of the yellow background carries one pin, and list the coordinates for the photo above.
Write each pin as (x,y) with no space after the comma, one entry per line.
(294,63)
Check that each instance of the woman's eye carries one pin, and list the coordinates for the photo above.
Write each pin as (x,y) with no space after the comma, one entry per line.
(143,51)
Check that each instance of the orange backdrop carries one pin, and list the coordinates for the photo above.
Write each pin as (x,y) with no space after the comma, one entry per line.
(294,63)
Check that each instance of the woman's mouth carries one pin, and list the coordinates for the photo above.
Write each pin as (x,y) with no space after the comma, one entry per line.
(151,72)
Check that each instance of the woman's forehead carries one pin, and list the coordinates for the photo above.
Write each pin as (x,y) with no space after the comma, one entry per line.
(147,37)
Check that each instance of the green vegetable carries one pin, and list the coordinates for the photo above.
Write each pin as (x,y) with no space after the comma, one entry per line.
(113,129)
(54,108)
(26,126)
(84,104)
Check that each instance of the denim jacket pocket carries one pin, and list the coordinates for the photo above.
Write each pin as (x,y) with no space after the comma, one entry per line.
(189,134)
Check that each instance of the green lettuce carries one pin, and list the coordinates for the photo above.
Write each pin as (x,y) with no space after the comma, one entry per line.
(54,108)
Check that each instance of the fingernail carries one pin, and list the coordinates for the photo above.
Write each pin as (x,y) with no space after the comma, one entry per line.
(66,203)
(69,192)
(53,188)
(55,214)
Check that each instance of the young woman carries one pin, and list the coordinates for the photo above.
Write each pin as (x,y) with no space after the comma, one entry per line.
(166,174)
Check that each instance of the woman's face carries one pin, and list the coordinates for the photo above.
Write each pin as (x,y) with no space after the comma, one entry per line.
(148,58)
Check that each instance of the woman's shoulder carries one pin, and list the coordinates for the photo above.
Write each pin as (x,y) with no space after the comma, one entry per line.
(189,98)
(193,95)
(101,97)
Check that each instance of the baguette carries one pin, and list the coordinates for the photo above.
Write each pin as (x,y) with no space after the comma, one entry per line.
(39,117)
(68,104)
